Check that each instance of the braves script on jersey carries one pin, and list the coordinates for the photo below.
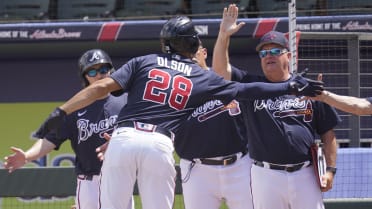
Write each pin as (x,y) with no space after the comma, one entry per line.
(85,128)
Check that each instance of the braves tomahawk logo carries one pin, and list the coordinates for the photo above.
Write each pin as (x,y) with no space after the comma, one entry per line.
(87,129)
(287,107)
(214,108)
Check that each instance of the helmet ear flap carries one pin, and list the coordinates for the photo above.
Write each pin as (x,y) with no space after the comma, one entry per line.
(194,43)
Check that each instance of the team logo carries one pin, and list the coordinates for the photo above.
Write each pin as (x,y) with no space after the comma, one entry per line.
(87,128)
(282,108)
(269,37)
(307,113)
(214,108)
(94,57)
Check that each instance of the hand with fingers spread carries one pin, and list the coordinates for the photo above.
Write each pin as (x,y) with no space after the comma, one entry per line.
(228,24)
(15,160)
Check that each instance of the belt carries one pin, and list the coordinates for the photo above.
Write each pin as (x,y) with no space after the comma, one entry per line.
(288,168)
(146,127)
(228,160)
(85,177)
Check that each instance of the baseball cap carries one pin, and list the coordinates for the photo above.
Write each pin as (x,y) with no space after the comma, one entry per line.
(274,37)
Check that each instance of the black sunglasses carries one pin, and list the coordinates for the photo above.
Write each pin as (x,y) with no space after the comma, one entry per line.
(102,70)
(273,52)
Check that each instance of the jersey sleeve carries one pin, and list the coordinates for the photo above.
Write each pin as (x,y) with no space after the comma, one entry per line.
(260,90)
(245,91)
(369,99)
(63,135)
(327,118)
(123,76)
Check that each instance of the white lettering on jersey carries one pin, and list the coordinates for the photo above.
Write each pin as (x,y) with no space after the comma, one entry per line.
(175,65)
(87,129)
(213,108)
(279,104)
(282,108)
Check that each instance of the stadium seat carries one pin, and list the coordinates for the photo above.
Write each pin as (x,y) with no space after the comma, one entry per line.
(140,8)
(24,9)
(213,8)
(279,8)
(347,7)
(77,9)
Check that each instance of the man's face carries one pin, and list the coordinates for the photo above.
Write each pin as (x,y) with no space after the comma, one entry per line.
(97,72)
(275,62)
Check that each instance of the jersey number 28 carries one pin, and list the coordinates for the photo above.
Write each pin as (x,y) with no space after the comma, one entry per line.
(156,90)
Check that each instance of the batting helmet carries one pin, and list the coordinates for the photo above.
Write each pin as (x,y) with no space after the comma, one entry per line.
(90,58)
(178,35)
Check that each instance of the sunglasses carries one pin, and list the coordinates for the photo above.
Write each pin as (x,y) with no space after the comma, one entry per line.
(102,70)
(273,52)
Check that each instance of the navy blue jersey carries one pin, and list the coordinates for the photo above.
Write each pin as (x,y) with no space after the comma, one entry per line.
(281,129)
(213,129)
(85,128)
(164,89)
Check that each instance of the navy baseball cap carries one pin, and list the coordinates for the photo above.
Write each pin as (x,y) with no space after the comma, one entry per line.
(273,37)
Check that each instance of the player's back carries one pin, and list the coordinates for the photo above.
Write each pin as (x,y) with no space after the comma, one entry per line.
(165,88)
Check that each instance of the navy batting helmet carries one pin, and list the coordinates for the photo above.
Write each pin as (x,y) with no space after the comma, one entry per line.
(178,35)
(90,58)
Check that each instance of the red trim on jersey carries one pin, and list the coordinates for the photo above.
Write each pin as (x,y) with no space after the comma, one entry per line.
(265,25)
(109,31)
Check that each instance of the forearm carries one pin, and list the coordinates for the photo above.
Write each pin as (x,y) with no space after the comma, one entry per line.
(85,97)
(41,148)
(330,147)
(354,105)
(258,90)
(220,61)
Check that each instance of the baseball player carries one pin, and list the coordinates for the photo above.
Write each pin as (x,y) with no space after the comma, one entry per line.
(163,89)
(281,129)
(85,129)
(214,163)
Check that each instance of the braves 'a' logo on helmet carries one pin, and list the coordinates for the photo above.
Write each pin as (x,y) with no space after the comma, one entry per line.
(95,56)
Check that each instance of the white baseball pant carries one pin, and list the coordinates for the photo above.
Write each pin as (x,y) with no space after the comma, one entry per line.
(146,156)
(87,193)
(208,185)
(285,190)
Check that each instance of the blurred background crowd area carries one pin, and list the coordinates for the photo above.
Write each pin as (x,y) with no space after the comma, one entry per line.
(90,10)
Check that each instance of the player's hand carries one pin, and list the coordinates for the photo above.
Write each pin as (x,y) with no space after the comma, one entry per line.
(301,86)
(15,160)
(102,149)
(327,182)
(228,24)
(52,123)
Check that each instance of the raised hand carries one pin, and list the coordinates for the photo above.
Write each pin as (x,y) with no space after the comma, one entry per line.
(15,160)
(228,24)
